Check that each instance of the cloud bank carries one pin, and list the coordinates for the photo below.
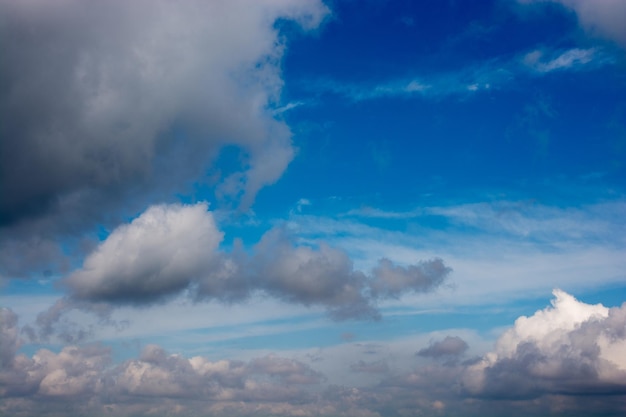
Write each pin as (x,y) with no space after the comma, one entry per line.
(543,364)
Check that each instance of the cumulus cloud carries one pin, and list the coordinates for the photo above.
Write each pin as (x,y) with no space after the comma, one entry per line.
(84,376)
(158,254)
(173,248)
(310,276)
(450,346)
(564,360)
(600,17)
(115,103)
(392,281)
(571,348)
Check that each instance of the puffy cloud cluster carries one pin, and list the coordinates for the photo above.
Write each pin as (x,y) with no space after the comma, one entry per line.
(171,248)
(571,348)
(156,380)
(120,103)
(564,360)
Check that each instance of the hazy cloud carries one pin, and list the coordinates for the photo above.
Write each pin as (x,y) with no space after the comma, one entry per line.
(376,367)
(450,346)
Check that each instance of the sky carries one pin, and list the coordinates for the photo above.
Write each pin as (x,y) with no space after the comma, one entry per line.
(374,208)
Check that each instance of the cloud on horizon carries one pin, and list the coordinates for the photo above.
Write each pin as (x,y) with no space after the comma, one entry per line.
(550,357)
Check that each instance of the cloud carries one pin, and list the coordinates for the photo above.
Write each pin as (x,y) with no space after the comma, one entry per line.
(9,343)
(158,254)
(564,360)
(600,17)
(572,58)
(115,105)
(83,375)
(392,281)
(571,348)
(171,249)
(450,346)
(376,367)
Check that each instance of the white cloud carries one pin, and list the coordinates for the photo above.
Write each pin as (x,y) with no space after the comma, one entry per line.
(575,57)
(569,348)
(159,253)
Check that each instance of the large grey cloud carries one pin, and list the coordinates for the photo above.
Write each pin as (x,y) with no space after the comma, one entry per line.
(115,101)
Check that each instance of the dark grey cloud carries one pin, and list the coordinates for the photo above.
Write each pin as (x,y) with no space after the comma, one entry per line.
(393,281)
(114,105)
(450,346)
(310,276)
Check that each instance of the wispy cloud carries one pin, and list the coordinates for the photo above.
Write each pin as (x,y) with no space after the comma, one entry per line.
(568,60)
(499,250)
(493,74)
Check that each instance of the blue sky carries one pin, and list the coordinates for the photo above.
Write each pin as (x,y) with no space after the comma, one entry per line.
(298,207)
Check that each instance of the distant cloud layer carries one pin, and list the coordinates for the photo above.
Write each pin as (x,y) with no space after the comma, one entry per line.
(560,352)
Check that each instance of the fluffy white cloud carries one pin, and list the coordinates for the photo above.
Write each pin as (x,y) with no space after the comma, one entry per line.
(569,348)
(159,253)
